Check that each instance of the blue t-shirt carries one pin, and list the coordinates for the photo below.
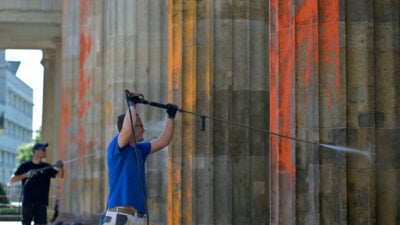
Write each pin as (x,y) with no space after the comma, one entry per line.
(123,176)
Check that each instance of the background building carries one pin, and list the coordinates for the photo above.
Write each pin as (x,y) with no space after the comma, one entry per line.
(16,102)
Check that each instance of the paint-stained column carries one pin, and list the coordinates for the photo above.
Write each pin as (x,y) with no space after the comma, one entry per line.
(357,83)
(282,100)
(135,58)
(69,70)
(332,114)
(180,187)
(107,47)
(307,67)
(304,66)
(218,66)
(80,132)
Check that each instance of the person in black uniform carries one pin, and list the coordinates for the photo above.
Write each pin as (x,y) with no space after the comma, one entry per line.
(35,176)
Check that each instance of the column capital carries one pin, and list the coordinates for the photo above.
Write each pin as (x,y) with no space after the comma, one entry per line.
(48,56)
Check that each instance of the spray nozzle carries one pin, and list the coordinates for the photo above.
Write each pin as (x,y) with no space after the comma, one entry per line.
(134,97)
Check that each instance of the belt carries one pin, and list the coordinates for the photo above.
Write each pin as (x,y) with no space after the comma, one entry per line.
(128,211)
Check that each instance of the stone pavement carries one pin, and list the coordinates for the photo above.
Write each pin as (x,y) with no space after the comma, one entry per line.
(10,223)
(16,223)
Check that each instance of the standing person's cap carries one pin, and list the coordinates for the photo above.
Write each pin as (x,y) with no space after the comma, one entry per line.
(39,145)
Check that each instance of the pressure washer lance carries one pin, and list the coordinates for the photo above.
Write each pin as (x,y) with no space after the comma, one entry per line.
(31,173)
(139,98)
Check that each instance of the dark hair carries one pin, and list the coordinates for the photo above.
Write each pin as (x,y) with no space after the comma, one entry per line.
(120,121)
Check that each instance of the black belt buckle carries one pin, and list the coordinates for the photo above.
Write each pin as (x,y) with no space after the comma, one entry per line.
(127,211)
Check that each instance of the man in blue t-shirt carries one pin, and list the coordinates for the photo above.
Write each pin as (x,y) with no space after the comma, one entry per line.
(126,157)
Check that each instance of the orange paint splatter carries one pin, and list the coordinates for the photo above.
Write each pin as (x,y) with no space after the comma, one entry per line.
(307,44)
(65,121)
(313,31)
(330,48)
(282,75)
(85,41)
(289,30)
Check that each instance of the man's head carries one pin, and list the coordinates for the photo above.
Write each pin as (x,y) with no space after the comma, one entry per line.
(139,129)
(120,121)
(40,149)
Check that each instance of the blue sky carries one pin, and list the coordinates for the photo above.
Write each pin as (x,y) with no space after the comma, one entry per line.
(31,72)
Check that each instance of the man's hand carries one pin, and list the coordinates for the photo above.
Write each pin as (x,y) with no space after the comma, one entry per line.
(171,110)
(30,174)
(135,98)
(59,164)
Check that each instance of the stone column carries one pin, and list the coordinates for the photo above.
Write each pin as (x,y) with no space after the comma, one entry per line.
(307,93)
(307,66)
(69,100)
(218,58)
(49,117)
(51,112)
(282,111)
(332,108)
(135,58)
(385,118)
(360,111)
(82,125)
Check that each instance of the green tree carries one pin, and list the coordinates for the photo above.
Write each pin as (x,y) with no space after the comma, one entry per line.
(37,136)
(25,151)
(3,196)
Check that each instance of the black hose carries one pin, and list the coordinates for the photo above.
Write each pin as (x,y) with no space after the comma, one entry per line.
(138,162)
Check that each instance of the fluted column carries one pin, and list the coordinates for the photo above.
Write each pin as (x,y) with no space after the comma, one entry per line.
(109,46)
(282,111)
(135,58)
(51,110)
(360,111)
(69,72)
(50,118)
(82,124)
(386,117)
(332,106)
(304,67)
(218,67)
(307,54)
(354,104)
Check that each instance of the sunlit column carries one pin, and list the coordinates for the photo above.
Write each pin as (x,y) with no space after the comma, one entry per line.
(49,98)
(217,65)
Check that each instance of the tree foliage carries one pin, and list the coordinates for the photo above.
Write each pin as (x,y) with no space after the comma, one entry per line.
(25,151)
(3,196)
